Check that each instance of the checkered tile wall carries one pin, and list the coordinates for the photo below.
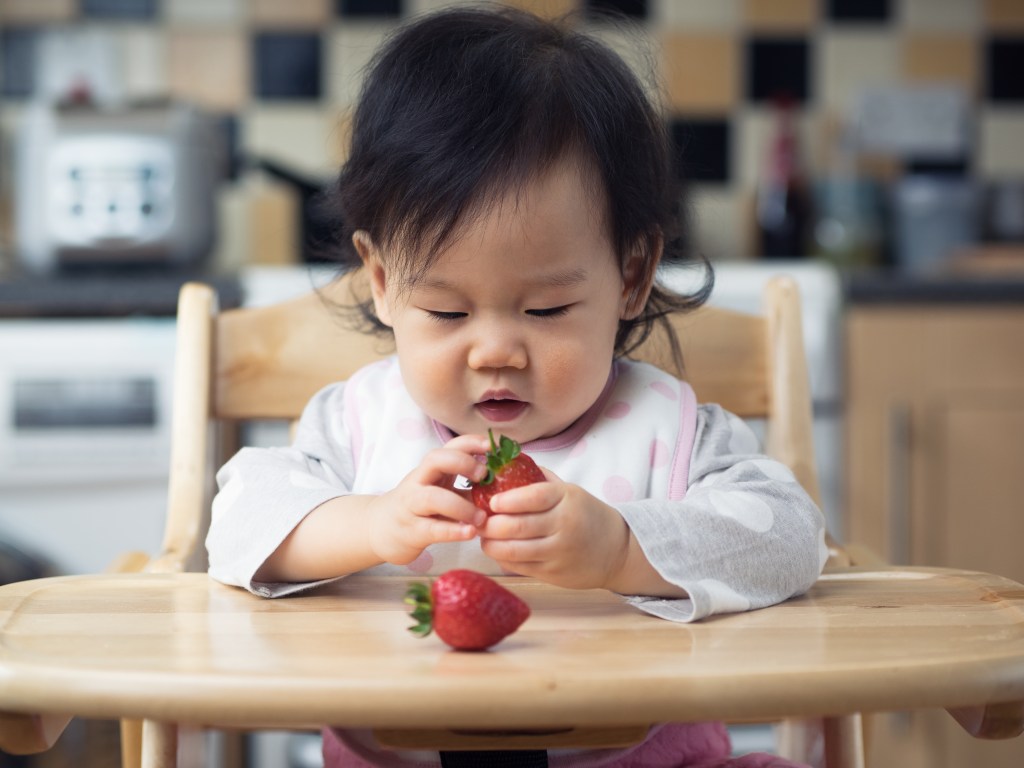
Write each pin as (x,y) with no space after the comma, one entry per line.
(286,72)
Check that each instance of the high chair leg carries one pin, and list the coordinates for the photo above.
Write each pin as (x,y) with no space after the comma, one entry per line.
(131,744)
(844,741)
(159,744)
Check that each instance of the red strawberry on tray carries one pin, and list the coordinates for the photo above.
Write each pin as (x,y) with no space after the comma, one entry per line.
(507,468)
(469,611)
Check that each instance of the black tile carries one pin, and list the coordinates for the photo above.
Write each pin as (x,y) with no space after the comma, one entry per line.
(702,148)
(778,67)
(119,9)
(1004,65)
(18,61)
(368,7)
(286,65)
(597,9)
(859,10)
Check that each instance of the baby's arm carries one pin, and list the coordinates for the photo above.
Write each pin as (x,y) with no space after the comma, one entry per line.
(746,535)
(285,519)
(355,532)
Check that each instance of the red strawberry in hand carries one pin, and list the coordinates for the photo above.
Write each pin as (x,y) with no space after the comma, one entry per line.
(507,468)
(470,611)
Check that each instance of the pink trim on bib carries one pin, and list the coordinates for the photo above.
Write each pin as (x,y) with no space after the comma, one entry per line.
(679,479)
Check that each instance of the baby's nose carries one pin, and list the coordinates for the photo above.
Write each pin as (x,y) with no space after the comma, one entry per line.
(498,348)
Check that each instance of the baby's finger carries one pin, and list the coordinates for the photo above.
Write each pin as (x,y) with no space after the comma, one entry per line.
(439,502)
(434,530)
(441,464)
(522,526)
(536,497)
(473,444)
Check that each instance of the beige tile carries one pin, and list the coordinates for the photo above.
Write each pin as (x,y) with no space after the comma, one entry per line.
(209,67)
(695,14)
(291,14)
(778,15)
(1004,14)
(849,61)
(550,9)
(1001,139)
(349,49)
(273,214)
(37,11)
(201,12)
(700,71)
(306,138)
(948,15)
(942,59)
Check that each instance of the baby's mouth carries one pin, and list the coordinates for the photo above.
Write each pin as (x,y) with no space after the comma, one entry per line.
(501,409)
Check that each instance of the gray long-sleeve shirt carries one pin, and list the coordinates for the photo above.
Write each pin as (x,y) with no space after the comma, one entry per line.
(743,535)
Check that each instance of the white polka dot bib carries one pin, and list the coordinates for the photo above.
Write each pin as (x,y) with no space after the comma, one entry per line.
(633,443)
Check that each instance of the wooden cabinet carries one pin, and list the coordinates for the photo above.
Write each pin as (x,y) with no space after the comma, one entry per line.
(935,473)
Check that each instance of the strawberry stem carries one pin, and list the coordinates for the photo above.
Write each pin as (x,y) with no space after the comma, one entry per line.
(418,596)
(502,453)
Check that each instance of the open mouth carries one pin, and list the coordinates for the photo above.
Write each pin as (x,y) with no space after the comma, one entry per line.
(500,409)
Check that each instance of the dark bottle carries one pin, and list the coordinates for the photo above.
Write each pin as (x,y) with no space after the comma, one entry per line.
(782,209)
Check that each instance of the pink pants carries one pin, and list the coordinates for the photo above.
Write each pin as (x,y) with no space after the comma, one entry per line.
(674,745)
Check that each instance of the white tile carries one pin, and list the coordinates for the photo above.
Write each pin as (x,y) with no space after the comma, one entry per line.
(945,15)
(696,14)
(350,48)
(1001,138)
(418,7)
(718,217)
(306,138)
(754,128)
(143,61)
(849,61)
(205,11)
(640,51)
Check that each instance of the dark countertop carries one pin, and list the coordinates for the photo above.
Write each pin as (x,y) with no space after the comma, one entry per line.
(983,273)
(894,288)
(145,293)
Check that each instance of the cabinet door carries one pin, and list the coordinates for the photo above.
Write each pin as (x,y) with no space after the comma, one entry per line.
(935,476)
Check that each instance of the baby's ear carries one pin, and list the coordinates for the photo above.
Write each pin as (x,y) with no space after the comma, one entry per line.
(638,275)
(376,273)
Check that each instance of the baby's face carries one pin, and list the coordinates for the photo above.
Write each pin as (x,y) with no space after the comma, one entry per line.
(513,327)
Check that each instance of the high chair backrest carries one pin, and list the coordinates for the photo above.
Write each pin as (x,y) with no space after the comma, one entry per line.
(266,363)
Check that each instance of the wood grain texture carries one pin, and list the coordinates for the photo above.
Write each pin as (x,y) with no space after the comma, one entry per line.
(182,648)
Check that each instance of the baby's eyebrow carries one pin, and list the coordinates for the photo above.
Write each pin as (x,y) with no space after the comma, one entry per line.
(563,279)
(566,278)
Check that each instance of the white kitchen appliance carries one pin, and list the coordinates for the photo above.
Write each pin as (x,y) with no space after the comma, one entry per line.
(84,437)
(130,185)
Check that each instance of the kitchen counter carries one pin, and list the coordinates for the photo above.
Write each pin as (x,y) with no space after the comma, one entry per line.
(981,274)
(891,288)
(148,293)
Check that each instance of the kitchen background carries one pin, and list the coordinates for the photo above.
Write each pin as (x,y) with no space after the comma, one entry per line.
(880,89)
(874,149)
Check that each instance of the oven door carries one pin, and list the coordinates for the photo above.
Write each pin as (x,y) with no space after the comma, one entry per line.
(85,412)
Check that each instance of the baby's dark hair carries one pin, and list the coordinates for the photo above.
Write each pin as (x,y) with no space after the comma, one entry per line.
(463,106)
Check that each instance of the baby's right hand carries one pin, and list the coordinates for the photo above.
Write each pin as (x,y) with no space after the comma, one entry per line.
(425,508)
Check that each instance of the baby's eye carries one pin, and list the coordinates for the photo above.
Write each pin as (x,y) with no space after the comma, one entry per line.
(444,317)
(549,312)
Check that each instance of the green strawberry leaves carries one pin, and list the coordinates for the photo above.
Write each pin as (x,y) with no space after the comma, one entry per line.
(418,596)
(501,455)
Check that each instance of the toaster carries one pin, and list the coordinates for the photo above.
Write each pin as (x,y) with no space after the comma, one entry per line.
(116,186)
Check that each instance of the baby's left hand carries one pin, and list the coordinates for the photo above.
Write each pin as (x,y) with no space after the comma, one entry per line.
(557,532)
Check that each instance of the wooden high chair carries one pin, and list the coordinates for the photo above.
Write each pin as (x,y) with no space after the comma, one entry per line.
(265,363)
